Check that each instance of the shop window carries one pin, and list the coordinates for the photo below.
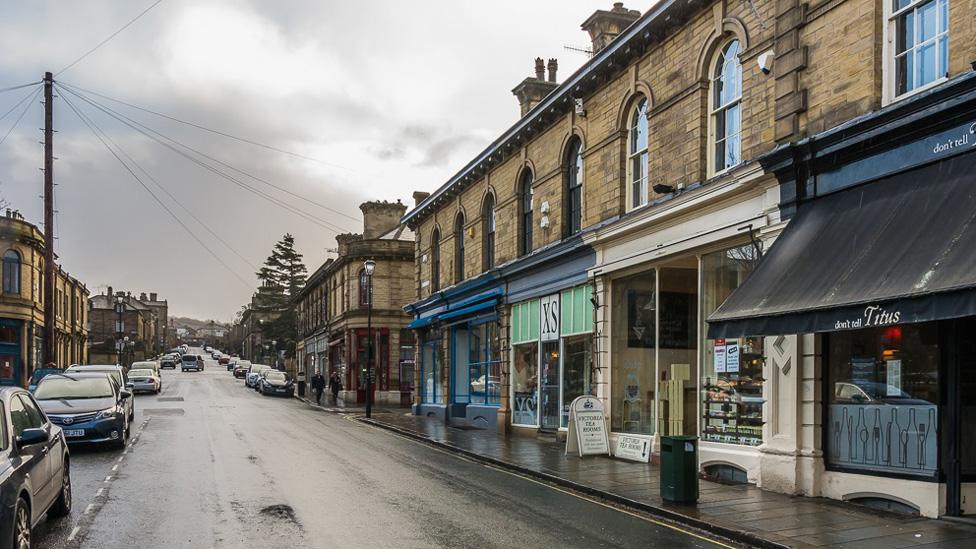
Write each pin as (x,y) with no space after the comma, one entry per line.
(9,335)
(577,371)
(365,289)
(488,233)
(459,248)
(732,369)
(573,210)
(484,368)
(677,342)
(633,366)
(883,396)
(525,384)
(7,371)
(525,205)
(637,155)
(726,121)
(920,53)
(430,392)
(435,261)
(11,272)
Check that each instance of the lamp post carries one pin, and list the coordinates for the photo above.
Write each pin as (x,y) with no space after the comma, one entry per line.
(368,267)
(120,328)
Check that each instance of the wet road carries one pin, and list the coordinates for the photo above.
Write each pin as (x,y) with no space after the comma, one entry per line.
(215,465)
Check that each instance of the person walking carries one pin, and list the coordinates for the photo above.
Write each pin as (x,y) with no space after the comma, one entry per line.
(335,383)
(318,385)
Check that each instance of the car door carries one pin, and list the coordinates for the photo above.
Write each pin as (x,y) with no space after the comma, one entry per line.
(35,462)
(54,453)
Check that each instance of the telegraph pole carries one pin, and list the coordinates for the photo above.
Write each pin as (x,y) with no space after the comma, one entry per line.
(49,336)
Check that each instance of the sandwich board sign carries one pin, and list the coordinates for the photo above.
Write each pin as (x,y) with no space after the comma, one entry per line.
(634,448)
(587,428)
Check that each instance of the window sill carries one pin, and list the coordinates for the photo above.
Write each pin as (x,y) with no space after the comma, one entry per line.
(916,91)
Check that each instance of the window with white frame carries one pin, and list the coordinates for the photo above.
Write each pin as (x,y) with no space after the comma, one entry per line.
(637,155)
(919,33)
(726,108)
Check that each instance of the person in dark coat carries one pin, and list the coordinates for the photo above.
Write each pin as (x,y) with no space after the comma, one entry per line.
(318,385)
(335,383)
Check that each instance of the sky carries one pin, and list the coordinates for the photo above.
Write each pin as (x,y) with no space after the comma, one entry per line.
(374,99)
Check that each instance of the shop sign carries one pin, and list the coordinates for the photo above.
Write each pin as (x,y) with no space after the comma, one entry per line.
(872,317)
(634,448)
(549,318)
(732,358)
(587,428)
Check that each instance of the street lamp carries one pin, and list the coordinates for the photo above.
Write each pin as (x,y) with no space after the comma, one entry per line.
(368,267)
(120,327)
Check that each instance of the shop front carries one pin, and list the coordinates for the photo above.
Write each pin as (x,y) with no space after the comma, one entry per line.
(11,351)
(876,273)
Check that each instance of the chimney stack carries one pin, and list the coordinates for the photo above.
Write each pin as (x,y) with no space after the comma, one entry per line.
(142,296)
(533,90)
(418,197)
(381,217)
(152,296)
(603,26)
(110,291)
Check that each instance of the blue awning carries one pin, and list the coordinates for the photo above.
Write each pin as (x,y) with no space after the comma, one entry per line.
(418,323)
(469,311)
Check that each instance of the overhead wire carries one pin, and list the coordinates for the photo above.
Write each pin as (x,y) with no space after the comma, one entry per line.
(30,99)
(21,86)
(218,132)
(99,135)
(111,36)
(157,136)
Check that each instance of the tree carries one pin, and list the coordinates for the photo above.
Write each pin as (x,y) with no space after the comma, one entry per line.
(282,276)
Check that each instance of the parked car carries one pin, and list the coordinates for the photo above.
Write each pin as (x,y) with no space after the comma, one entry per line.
(117,374)
(168,362)
(89,407)
(39,374)
(191,362)
(144,381)
(254,373)
(35,476)
(224,359)
(144,365)
(241,367)
(274,382)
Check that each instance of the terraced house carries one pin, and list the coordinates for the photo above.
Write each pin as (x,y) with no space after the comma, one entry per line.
(714,227)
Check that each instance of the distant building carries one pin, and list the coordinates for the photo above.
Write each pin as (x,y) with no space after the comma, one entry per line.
(139,328)
(22,305)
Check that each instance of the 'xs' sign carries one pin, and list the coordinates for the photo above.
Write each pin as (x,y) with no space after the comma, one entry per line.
(549,318)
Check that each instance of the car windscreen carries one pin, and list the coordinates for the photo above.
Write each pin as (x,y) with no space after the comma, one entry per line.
(275,376)
(140,373)
(69,387)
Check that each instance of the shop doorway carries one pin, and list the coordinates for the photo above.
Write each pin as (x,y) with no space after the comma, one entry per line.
(961,403)
(10,352)
(550,386)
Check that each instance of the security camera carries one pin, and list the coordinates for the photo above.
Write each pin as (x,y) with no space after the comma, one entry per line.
(765,61)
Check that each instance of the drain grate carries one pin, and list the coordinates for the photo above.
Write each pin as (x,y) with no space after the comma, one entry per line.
(169,399)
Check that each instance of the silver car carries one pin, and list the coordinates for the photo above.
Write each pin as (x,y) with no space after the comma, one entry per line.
(254,374)
(144,381)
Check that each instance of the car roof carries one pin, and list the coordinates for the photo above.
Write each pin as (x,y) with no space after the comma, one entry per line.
(94,367)
(80,375)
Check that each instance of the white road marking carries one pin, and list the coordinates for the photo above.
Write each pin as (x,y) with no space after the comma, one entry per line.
(74,532)
(108,478)
(89,508)
(115,467)
(99,492)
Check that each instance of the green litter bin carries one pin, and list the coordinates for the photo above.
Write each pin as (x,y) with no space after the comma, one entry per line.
(679,469)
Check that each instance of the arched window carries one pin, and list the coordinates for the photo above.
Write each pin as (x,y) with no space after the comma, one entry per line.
(435,261)
(638,156)
(365,289)
(726,110)
(525,202)
(574,188)
(11,272)
(488,233)
(459,248)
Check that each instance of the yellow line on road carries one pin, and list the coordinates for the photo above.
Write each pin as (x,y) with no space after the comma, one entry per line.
(558,489)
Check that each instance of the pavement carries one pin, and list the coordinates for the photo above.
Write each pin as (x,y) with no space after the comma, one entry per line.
(743,513)
(215,465)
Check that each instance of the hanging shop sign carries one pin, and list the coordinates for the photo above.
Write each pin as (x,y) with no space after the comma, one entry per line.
(587,428)
(634,448)
(549,318)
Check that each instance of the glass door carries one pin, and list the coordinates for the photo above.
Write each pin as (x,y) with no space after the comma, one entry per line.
(549,396)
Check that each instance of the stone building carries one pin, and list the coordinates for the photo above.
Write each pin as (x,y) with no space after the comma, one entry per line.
(587,249)
(161,308)
(22,306)
(139,329)
(333,306)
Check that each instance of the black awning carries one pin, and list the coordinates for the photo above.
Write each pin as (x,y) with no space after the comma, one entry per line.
(899,250)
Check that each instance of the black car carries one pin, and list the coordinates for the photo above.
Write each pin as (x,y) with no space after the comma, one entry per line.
(34,468)
(88,407)
(274,382)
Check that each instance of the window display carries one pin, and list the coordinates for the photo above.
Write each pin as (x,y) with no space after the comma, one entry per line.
(732,369)
(430,392)
(485,371)
(633,338)
(525,383)
(883,401)
(577,372)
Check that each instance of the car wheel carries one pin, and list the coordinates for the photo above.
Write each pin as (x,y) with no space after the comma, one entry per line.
(62,507)
(22,525)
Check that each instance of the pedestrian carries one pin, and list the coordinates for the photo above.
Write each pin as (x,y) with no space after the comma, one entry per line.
(318,385)
(335,383)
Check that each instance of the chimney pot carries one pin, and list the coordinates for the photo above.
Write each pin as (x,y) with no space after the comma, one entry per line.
(540,70)
(418,197)
(110,291)
(553,65)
